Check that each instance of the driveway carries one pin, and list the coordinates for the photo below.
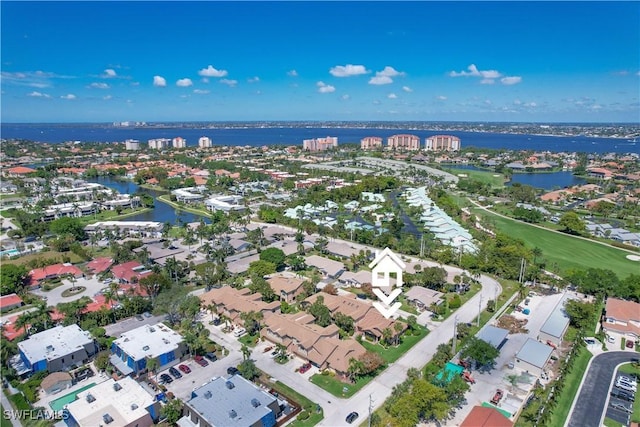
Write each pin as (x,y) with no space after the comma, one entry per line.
(54,296)
(589,407)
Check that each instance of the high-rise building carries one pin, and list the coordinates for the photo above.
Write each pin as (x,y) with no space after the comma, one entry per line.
(179,142)
(404,142)
(320,144)
(160,143)
(132,144)
(370,142)
(442,143)
(204,142)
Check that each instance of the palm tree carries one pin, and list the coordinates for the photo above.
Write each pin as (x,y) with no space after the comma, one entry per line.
(213,309)
(25,320)
(246,352)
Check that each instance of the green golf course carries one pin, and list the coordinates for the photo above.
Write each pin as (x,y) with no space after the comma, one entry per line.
(566,251)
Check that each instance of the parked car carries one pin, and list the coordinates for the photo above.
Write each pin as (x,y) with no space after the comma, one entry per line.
(139,317)
(623,394)
(232,370)
(200,360)
(622,407)
(628,380)
(176,374)
(497,396)
(626,386)
(267,349)
(629,344)
(466,375)
(351,417)
(211,356)
(304,368)
(610,339)
(146,314)
(185,369)
(239,332)
(165,379)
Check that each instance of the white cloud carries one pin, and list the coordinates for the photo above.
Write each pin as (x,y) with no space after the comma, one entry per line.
(255,79)
(325,88)
(107,97)
(109,73)
(531,104)
(441,98)
(487,81)
(511,80)
(159,81)
(345,97)
(292,73)
(380,80)
(68,96)
(389,72)
(230,83)
(348,70)
(99,86)
(184,83)
(487,102)
(212,72)
(384,77)
(200,91)
(392,96)
(474,72)
(407,89)
(35,94)
(517,102)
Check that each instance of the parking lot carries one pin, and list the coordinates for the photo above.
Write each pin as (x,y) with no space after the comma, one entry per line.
(620,408)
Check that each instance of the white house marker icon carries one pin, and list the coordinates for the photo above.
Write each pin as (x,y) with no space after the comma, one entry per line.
(386,269)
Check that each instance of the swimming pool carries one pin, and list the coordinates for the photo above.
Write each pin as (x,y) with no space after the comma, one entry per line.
(9,252)
(59,403)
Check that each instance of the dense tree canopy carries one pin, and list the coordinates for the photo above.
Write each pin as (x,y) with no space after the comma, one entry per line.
(12,278)
(275,256)
(481,351)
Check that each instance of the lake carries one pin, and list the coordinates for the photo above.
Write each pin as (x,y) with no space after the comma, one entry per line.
(162,211)
(546,181)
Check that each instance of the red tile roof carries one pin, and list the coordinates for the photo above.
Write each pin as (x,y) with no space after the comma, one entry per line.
(99,265)
(10,300)
(52,271)
(9,330)
(481,416)
(126,271)
(21,170)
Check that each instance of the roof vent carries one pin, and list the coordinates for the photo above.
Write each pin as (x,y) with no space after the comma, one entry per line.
(233,413)
(90,398)
(145,348)
(117,387)
(134,406)
(152,329)
(230,385)
(255,402)
(107,418)
(50,348)
(208,394)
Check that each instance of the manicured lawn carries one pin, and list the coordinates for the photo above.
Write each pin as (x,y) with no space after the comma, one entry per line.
(4,422)
(566,251)
(44,255)
(336,387)
(482,176)
(571,385)
(612,423)
(391,354)
(306,404)
(248,340)
(166,199)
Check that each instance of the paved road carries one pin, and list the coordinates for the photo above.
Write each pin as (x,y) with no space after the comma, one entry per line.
(589,407)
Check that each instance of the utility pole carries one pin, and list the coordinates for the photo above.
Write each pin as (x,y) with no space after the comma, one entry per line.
(455,326)
(370,408)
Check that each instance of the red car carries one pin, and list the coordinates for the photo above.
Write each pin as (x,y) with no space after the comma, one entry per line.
(200,360)
(184,368)
(630,344)
(304,368)
(497,397)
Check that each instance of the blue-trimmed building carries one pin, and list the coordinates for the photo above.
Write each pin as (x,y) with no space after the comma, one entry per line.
(57,349)
(232,402)
(130,352)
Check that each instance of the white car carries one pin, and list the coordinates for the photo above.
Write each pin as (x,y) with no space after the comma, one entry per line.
(239,332)
(627,380)
(610,339)
(626,386)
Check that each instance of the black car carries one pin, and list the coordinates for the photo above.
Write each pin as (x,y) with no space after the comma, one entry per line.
(351,417)
(211,356)
(176,374)
(231,370)
(165,379)
(623,394)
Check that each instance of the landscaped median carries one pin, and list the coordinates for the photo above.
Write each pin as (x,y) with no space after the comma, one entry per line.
(389,354)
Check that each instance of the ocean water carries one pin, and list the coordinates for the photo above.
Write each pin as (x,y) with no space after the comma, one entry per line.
(56,133)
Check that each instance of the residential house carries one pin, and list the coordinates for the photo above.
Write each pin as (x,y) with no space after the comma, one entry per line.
(286,287)
(232,302)
(119,403)
(9,302)
(484,416)
(328,267)
(232,401)
(422,298)
(130,272)
(622,318)
(99,265)
(57,349)
(39,275)
(356,280)
(56,382)
(130,352)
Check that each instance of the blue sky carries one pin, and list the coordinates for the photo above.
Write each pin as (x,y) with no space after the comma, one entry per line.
(212,61)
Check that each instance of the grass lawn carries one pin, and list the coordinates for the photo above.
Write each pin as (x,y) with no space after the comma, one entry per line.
(566,251)
(249,340)
(571,385)
(336,387)
(44,255)
(612,423)
(4,422)
(482,176)
(306,404)
(166,199)
(391,354)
